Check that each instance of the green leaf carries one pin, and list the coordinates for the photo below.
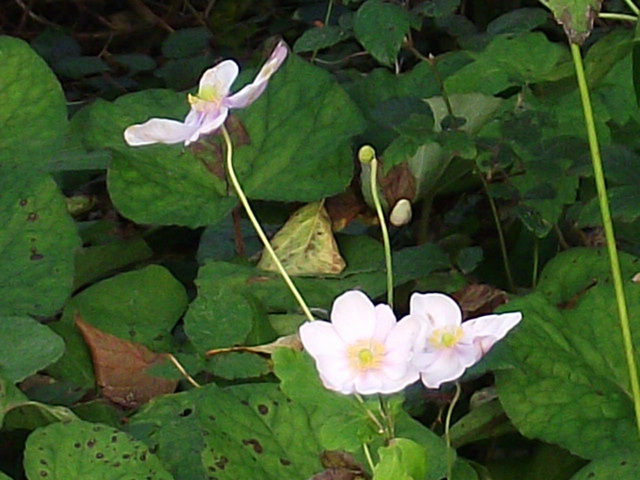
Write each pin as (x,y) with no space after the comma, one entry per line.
(605,53)
(80,66)
(318,38)
(300,133)
(575,16)
(569,382)
(219,317)
(402,460)
(623,466)
(305,244)
(482,422)
(508,60)
(247,431)
(34,112)
(37,244)
(94,262)
(635,55)
(437,8)
(381,27)
(475,108)
(339,420)
(86,451)
(518,21)
(26,346)
(140,306)
(623,202)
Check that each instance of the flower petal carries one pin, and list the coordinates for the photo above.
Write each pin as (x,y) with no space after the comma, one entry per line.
(336,373)
(443,366)
(487,330)
(385,322)
(437,309)
(320,338)
(159,130)
(216,82)
(368,383)
(353,316)
(248,94)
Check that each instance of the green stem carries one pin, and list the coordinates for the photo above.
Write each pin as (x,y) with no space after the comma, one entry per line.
(367,454)
(383,228)
(536,261)
(632,6)
(618,16)
(608,230)
(258,228)
(370,414)
(327,17)
(447,433)
(503,243)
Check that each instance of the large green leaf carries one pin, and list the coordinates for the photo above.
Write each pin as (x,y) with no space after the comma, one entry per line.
(37,244)
(248,431)
(33,115)
(26,346)
(402,459)
(570,384)
(88,451)
(140,306)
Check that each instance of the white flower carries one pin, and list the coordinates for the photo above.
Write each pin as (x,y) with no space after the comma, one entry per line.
(446,347)
(364,349)
(210,107)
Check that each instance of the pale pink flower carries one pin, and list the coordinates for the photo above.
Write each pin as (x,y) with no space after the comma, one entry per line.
(210,107)
(446,347)
(364,349)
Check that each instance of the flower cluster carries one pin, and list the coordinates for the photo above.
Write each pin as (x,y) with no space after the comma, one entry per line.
(365,350)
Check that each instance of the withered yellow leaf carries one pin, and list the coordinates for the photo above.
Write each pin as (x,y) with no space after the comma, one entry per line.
(305,244)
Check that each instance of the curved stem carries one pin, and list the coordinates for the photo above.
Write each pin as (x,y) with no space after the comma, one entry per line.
(183,371)
(367,455)
(258,228)
(370,414)
(447,436)
(503,243)
(618,16)
(383,228)
(633,7)
(608,230)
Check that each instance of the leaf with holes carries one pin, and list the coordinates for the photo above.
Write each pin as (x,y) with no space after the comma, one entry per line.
(37,244)
(87,451)
(246,431)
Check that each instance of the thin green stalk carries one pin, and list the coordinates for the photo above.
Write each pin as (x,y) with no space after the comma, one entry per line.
(258,228)
(383,228)
(632,6)
(367,454)
(608,229)
(327,17)
(503,243)
(618,16)
(536,261)
(370,414)
(447,433)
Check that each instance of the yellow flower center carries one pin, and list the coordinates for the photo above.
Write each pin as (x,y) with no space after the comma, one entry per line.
(365,355)
(206,96)
(446,337)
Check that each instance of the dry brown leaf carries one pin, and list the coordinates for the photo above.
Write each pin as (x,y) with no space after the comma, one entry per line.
(344,208)
(478,299)
(121,367)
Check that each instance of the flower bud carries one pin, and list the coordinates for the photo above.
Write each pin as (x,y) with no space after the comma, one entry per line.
(366,154)
(401,213)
